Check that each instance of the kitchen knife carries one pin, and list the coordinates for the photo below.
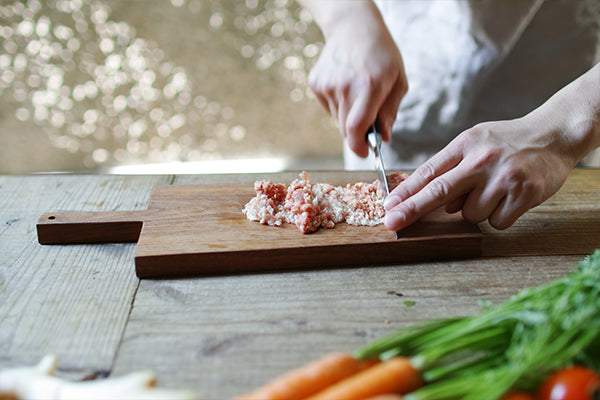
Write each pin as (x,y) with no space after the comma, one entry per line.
(374,140)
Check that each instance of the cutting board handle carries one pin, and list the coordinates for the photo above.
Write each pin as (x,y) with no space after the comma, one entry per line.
(90,227)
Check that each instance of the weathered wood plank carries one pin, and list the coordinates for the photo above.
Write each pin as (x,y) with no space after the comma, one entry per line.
(70,300)
(222,336)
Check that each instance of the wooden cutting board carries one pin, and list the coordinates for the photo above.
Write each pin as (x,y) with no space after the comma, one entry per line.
(200,229)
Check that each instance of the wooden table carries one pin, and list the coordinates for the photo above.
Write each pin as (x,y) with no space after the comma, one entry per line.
(223,335)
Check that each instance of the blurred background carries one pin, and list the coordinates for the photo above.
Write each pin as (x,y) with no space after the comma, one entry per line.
(160,86)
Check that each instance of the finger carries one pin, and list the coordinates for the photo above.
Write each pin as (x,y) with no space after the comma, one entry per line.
(322,101)
(481,202)
(437,165)
(456,205)
(333,110)
(360,116)
(343,109)
(508,211)
(315,85)
(323,91)
(389,109)
(440,191)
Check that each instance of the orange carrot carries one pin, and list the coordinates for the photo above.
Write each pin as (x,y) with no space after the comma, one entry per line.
(310,378)
(396,375)
(389,396)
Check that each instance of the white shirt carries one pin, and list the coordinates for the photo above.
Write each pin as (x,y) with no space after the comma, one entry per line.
(470,61)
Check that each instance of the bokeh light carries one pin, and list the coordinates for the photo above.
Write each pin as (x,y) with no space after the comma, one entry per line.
(98,83)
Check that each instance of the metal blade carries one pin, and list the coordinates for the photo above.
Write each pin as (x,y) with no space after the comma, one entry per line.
(374,139)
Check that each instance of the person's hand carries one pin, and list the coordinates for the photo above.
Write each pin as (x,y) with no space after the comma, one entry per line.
(499,170)
(360,74)
(495,171)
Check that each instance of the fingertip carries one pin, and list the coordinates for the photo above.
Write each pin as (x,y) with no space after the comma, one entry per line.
(362,153)
(501,223)
(358,146)
(391,201)
(386,131)
(395,220)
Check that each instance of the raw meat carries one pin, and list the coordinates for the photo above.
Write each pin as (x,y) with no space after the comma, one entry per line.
(311,205)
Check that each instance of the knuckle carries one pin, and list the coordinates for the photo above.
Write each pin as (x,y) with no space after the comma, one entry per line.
(477,134)
(480,130)
(439,189)
(409,208)
(369,80)
(522,185)
(426,172)
(487,157)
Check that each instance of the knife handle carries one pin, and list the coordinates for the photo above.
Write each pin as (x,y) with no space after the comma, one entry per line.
(374,135)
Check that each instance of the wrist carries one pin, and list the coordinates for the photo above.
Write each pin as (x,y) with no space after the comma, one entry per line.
(574,114)
(333,16)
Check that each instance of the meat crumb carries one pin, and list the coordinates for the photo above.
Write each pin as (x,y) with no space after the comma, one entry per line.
(311,206)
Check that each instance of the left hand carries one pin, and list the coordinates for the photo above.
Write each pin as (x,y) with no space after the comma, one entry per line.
(499,170)
(495,171)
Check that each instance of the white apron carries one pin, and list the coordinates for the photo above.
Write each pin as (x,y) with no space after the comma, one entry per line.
(480,60)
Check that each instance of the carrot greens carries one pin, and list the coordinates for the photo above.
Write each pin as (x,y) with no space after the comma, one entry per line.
(512,345)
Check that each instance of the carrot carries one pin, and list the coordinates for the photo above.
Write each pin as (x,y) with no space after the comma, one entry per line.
(310,378)
(389,396)
(396,375)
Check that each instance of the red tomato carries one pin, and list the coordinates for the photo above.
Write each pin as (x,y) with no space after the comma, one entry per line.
(515,395)
(573,383)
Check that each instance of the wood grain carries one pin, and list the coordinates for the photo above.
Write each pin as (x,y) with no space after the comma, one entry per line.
(200,229)
(73,301)
(223,335)
(91,227)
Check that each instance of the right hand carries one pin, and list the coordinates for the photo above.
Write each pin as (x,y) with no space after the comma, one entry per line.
(359,76)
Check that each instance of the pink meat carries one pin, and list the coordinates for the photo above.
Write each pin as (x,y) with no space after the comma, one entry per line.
(313,205)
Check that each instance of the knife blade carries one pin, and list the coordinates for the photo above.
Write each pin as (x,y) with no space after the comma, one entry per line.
(374,140)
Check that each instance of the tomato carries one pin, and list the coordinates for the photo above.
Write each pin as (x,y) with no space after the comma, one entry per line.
(573,383)
(516,395)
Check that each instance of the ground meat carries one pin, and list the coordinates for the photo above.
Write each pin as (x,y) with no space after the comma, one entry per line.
(311,205)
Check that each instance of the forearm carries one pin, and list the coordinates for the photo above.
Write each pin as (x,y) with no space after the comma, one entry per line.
(359,76)
(331,14)
(575,113)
